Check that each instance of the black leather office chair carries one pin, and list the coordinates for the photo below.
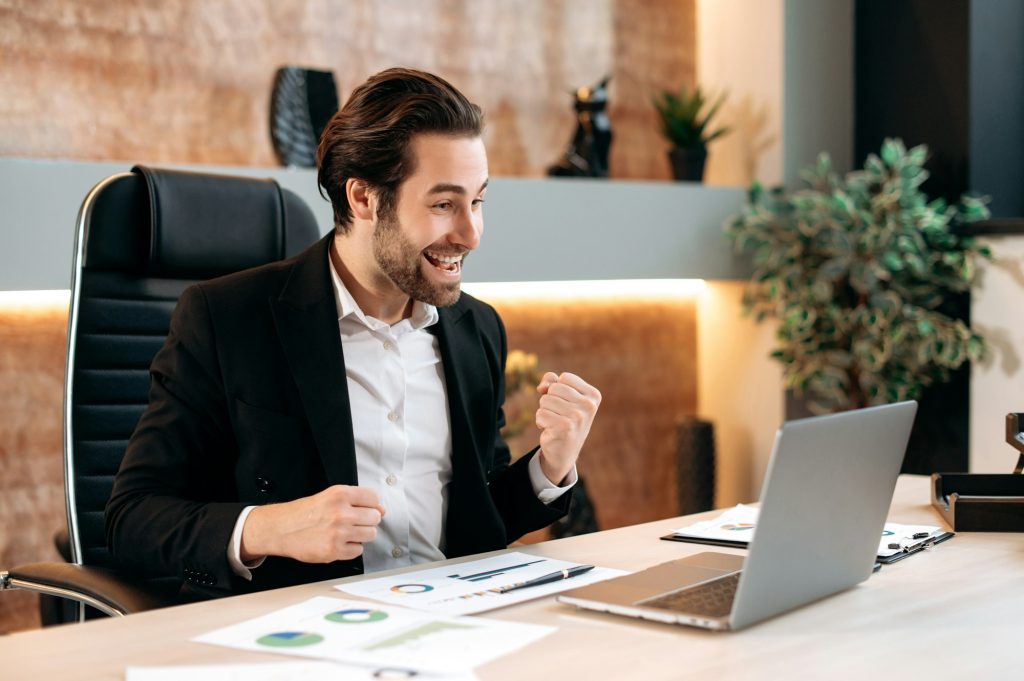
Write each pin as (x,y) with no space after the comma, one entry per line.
(142,238)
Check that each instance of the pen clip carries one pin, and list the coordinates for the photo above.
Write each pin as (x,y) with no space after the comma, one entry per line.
(922,545)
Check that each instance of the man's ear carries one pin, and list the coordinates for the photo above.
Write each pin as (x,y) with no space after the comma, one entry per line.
(361,200)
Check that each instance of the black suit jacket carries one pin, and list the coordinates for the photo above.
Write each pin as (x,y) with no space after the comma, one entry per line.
(249,405)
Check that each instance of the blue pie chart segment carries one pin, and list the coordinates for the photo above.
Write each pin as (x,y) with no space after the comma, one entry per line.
(290,639)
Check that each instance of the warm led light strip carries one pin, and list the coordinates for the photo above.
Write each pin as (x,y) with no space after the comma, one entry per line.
(34,299)
(587,290)
(534,290)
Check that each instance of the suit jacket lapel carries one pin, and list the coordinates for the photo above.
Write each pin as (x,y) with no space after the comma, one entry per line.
(455,325)
(306,318)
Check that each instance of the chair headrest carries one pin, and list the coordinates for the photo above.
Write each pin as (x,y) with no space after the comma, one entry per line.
(203,224)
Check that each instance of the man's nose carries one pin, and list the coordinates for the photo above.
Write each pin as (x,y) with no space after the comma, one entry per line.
(469,230)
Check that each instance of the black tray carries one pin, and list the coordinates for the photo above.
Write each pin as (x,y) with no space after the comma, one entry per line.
(980,502)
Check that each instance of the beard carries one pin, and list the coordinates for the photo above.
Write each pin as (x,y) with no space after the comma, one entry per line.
(403,263)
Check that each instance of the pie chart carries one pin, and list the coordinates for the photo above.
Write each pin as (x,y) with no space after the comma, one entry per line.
(411,588)
(289,639)
(356,616)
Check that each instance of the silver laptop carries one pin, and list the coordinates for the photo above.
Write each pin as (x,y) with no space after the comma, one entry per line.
(823,505)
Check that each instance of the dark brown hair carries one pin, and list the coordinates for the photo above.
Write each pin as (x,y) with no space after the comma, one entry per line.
(369,137)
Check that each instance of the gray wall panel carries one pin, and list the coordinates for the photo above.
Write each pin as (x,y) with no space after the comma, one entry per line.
(536,230)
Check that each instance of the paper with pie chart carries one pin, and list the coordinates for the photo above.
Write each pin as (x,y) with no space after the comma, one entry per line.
(472,587)
(364,633)
(735,525)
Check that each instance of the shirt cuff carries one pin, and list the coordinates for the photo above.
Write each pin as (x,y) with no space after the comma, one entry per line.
(241,569)
(546,490)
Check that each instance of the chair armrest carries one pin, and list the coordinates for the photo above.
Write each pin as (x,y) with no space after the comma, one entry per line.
(109,592)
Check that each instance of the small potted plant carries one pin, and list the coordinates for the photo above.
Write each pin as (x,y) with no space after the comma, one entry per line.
(856,269)
(686,128)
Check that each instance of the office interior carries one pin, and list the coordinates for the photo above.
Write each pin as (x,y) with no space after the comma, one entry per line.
(627,280)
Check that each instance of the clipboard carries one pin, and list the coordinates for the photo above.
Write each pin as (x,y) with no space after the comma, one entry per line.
(911,549)
(908,550)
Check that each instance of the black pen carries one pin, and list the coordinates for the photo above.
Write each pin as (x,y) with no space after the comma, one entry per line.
(547,579)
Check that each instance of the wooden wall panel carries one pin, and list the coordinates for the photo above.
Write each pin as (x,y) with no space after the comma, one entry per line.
(189,81)
(642,356)
(32,350)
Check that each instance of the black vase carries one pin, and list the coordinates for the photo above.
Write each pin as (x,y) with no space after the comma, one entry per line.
(302,103)
(688,164)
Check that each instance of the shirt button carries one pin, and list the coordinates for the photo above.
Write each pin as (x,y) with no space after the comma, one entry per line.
(391,480)
(388,345)
(397,552)
(392,416)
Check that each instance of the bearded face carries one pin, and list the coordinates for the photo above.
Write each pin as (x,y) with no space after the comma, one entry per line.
(431,275)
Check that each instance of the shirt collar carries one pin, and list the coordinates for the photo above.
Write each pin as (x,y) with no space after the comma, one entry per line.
(423,314)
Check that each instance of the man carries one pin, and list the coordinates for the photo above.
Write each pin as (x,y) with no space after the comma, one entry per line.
(339,412)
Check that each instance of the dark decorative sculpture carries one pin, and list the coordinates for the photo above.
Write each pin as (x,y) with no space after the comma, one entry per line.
(695,469)
(302,103)
(587,155)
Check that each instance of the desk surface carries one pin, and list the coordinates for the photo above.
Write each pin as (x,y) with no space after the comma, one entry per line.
(952,612)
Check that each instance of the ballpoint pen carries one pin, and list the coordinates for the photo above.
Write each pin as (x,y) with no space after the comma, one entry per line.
(547,579)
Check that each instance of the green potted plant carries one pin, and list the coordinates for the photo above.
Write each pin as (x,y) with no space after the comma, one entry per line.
(686,128)
(855,270)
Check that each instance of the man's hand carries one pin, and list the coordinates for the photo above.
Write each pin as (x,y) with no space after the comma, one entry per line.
(332,525)
(568,405)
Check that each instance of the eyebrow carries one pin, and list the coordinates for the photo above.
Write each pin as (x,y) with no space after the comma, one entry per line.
(444,188)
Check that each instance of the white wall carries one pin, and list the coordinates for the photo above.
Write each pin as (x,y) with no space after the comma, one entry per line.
(997,383)
(739,52)
(739,389)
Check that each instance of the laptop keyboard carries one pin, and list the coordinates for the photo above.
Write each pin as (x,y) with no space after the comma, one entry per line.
(710,599)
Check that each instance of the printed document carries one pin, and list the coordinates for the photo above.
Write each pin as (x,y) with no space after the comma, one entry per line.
(472,587)
(364,633)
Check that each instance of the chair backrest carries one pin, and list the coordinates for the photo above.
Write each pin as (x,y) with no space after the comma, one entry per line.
(142,238)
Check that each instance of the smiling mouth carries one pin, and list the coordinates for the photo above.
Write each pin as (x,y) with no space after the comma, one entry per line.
(451,264)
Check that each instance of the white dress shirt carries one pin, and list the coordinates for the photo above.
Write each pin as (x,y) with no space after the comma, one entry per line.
(399,409)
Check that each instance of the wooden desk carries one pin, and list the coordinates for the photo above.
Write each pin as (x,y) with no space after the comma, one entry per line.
(950,613)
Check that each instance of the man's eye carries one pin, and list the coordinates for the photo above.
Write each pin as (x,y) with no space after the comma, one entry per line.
(478,202)
(443,205)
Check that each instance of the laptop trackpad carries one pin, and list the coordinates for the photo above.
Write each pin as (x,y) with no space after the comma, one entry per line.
(679,574)
(670,576)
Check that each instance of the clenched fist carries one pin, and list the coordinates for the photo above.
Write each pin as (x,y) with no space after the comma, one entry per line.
(565,413)
(332,525)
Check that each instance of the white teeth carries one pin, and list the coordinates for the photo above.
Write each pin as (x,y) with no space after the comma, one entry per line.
(446,259)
